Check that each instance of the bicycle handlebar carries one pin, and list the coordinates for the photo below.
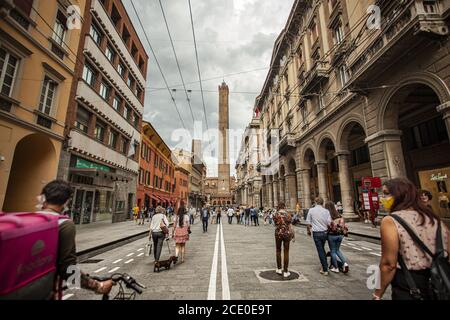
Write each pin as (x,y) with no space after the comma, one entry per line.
(129,281)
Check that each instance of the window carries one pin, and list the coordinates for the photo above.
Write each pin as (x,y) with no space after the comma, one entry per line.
(121,69)
(343,75)
(127,112)
(134,51)
(124,147)
(338,33)
(426,134)
(115,16)
(125,35)
(95,33)
(138,92)
(430,6)
(360,156)
(99,131)
(83,117)
(148,178)
(116,103)
(140,176)
(130,81)
(89,74)
(104,90)
(110,53)
(112,141)
(136,120)
(8,67)
(59,31)
(47,95)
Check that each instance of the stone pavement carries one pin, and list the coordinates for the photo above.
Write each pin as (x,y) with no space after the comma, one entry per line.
(99,233)
(242,254)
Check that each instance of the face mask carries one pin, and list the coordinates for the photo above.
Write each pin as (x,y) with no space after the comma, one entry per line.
(387,202)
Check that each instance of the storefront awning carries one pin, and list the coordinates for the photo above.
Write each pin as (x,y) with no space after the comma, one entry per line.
(99,173)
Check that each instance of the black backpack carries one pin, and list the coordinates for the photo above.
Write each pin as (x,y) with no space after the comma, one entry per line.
(439,281)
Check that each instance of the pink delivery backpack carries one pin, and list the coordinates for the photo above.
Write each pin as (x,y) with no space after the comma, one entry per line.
(28,253)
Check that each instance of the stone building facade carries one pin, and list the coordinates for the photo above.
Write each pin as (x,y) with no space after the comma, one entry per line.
(104,117)
(351,100)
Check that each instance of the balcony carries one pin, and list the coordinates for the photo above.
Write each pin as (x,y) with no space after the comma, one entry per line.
(341,49)
(315,76)
(107,24)
(398,36)
(287,143)
(88,96)
(92,148)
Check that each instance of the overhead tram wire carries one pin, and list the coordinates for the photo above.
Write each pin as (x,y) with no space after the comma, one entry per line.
(176,59)
(159,66)
(198,65)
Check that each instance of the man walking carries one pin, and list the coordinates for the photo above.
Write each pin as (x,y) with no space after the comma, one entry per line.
(318,220)
(247,216)
(191,215)
(254,215)
(230,215)
(205,218)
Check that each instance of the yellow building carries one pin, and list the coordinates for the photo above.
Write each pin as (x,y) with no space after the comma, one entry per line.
(38,45)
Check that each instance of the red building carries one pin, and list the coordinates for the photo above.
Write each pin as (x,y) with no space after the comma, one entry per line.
(181,186)
(156,170)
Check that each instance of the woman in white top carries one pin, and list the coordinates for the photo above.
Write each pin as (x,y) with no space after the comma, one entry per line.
(156,232)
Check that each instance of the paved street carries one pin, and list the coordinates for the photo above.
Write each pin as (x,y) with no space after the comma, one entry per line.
(238,260)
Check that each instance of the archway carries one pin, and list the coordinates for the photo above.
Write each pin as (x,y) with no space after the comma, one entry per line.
(424,141)
(311,188)
(34,164)
(330,169)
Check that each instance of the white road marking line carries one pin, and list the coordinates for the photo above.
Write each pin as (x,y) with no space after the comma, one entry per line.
(68,296)
(127,262)
(375,254)
(140,249)
(213,276)
(140,254)
(117,261)
(351,244)
(130,254)
(368,249)
(354,248)
(101,269)
(225,284)
(114,269)
(345,245)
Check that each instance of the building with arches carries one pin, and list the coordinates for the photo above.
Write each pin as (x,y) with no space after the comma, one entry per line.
(351,100)
(37,64)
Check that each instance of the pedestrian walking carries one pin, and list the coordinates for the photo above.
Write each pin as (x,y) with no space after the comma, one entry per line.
(214,215)
(247,216)
(136,214)
(230,213)
(191,215)
(410,237)
(254,215)
(336,232)
(180,232)
(284,233)
(205,217)
(238,215)
(317,221)
(158,227)
(219,216)
(142,216)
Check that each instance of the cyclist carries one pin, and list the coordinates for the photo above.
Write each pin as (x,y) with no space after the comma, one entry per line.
(56,195)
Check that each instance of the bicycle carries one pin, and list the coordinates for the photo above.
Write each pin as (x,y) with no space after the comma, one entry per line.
(121,279)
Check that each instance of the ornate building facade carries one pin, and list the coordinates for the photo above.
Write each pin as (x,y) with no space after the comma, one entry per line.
(354,99)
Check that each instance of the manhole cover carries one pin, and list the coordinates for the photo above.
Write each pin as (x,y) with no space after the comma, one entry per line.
(270,276)
(92,261)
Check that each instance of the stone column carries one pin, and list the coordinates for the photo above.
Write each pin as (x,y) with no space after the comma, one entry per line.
(270,194)
(300,187)
(306,178)
(346,185)
(275,193)
(322,179)
(282,183)
(445,110)
(291,192)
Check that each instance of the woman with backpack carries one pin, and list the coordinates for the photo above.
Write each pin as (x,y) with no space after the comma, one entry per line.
(336,232)
(284,233)
(407,234)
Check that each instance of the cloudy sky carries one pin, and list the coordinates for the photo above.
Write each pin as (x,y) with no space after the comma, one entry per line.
(233,36)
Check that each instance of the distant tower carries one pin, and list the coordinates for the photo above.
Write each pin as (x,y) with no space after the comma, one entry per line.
(224,161)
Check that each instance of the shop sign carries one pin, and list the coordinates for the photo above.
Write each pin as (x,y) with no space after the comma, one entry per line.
(84,164)
(438,177)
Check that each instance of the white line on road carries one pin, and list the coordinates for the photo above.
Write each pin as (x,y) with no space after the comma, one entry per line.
(101,269)
(114,269)
(67,296)
(130,254)
(127,262)
(368,249)
(213,276)
(375,254)
(140,254)
(354,248)
(117,261)
(140,249)
(225,284)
